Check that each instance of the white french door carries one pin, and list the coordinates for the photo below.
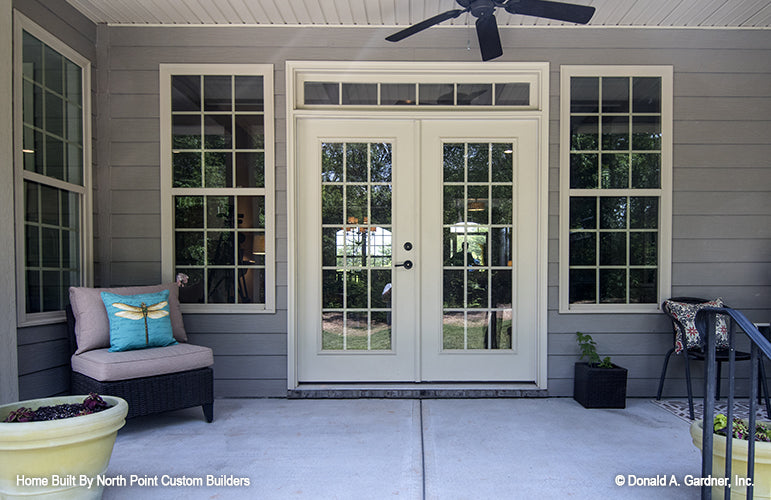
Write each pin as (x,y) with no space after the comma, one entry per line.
(417,250)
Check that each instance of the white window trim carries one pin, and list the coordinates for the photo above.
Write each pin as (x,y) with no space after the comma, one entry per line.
(167,192)
(665,207)
(23,23)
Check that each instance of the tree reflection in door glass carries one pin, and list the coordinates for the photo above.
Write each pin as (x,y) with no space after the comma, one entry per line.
(478,214)
(356,245)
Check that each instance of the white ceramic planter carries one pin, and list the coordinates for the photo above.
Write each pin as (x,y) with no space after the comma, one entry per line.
(762,482)
(57,451)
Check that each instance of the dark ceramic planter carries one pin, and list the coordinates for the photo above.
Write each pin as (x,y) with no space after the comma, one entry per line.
(600,387)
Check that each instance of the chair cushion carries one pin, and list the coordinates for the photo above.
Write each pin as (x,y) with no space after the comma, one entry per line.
(138,321)
(92,327)
(106,366)
(687,335)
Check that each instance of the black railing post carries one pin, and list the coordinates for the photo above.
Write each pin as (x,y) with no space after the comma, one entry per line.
(731,394)
(709,409)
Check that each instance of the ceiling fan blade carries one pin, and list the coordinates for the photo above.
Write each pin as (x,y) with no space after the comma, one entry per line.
(415,28)
(489,39)
(567,12)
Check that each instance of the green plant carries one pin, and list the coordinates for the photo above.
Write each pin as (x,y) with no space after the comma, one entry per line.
(741,429)
(589,351)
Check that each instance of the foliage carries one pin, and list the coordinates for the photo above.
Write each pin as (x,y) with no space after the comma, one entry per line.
(741,429)
(589,351)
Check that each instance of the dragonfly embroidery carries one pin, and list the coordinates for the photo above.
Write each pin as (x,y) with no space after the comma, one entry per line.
(143,311)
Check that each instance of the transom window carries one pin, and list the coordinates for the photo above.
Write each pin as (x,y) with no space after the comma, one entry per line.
(218,179)
(52,175)
(616,188)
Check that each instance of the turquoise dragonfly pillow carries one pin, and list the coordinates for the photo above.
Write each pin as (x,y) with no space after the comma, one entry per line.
(138,321)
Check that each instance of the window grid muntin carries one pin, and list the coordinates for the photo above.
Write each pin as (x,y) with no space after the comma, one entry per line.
(354,227)
(488,229)
(51,282)
(599,192)
(233,192)
(70,95)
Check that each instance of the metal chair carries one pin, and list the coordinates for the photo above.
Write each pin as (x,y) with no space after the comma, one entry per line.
(699,355)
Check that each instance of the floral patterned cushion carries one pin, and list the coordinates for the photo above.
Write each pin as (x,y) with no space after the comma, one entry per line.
(686,316)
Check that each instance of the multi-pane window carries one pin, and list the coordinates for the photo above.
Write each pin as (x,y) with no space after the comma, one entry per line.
(616,171)
(478,228)
(356,188)
(217,172)
(51,169)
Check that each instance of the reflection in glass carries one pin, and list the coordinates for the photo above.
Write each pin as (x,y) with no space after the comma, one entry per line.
(646,171)
(583,170)
(219,212)
(187,169)
(360,93)
(615,95)
(478,160)
(442,94)
(454,159)
(356,331)
(646,132)
(476,330)
(501,162)
(475,94)
(612,286)
(613,210)
(615,171)
(584,94)
(221,289)
(615,132)
(189,249)
(380,169)
(332,289)
(332,205)
(250,132)
(644,212)
(188,211)
(220,248)
(185,93)
(218,169)
(356,162)
(321,93)
(218,131)
(583,249)
(643,286)
(397,94)
(612,248)
(185,131)
(250,169)
(332,162)
(249,93)
(380,330)
(583,212)
(454,330)
(332,331)
(646,94)
(216,93)
(583,286)
(643,248)
(584,132)
(512,94)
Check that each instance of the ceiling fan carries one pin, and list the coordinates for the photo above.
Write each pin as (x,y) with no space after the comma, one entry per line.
(487,27)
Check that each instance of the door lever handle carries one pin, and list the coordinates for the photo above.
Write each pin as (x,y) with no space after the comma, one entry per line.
(407,264)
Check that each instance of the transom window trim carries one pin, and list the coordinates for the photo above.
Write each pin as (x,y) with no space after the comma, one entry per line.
(22,176)
(664,193)
(414,74)
(170,193)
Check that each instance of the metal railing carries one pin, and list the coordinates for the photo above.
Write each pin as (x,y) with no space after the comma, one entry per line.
(760,345)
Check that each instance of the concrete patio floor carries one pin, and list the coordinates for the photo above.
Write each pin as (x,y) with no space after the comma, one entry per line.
(409,449)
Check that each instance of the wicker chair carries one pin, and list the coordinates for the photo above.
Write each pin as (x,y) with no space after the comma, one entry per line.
(153,394)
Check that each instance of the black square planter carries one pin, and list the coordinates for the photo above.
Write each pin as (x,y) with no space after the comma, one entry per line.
(600,387)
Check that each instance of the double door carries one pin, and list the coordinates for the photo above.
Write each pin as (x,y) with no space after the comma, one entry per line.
(417,250)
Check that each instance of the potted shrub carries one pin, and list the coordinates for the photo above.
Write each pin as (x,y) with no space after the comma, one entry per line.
(762,479)
(598,383)
(56,458)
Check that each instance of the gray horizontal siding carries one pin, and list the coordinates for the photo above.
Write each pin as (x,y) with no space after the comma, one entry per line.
(43,351)
(722,212)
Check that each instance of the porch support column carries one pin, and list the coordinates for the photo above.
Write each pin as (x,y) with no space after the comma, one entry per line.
(9,371)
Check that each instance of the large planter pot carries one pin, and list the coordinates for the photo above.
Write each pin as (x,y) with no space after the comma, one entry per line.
(762,480)
(57,452)
(596,387)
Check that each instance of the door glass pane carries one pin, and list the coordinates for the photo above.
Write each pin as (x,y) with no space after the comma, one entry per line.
(356,248)
(478,203)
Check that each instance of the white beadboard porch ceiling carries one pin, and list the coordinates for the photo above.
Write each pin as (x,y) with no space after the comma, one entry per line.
(378,13)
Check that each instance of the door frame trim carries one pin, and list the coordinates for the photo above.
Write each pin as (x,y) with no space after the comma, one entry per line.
(380,71)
